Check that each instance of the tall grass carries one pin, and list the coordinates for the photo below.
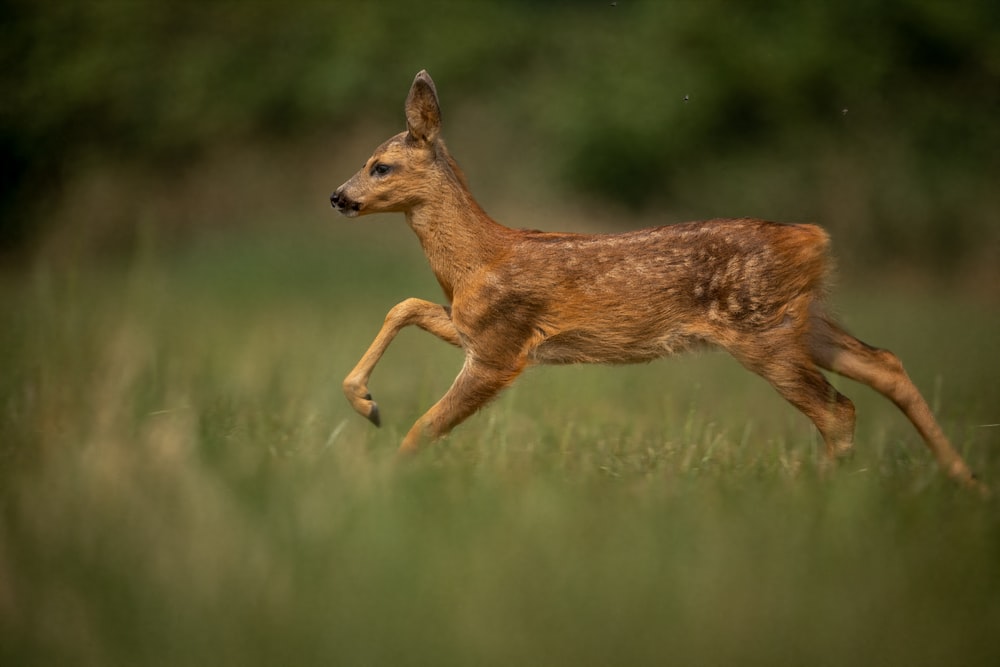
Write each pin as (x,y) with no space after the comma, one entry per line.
(181,482)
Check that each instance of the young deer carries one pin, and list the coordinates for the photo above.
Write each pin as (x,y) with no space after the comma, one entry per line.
(519,297)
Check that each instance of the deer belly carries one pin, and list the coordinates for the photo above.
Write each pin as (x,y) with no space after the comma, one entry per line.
(610,347)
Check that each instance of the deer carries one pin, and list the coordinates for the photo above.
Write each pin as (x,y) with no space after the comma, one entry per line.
(517,298)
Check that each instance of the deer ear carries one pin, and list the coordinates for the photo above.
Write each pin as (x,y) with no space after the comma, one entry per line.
(423,114)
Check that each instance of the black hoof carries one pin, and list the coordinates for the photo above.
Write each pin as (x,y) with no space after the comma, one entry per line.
(374,417)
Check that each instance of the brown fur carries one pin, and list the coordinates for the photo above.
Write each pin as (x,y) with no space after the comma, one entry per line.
(521,297)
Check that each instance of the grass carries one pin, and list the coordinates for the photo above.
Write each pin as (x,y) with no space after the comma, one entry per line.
(182,483)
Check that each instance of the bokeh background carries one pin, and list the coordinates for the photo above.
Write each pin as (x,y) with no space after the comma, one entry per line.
(183,483)
(878,120)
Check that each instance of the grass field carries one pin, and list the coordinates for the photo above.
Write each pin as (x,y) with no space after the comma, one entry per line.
(182,483)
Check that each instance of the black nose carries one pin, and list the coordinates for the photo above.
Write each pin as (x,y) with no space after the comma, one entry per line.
(335,199)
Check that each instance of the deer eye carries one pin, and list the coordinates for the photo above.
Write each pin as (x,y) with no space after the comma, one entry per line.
(381,169)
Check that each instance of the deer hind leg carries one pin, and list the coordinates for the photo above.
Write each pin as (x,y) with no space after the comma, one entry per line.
(424,314)
(787,366)
(477,383)
(834,349)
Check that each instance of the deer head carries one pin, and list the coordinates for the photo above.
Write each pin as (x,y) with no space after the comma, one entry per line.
(405,171)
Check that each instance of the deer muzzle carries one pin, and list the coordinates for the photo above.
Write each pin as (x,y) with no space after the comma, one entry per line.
(344,204)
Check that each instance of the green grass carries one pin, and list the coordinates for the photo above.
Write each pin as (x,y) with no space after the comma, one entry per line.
(182,483)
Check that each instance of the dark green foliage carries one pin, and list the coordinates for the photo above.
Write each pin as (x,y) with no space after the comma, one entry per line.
(771,109)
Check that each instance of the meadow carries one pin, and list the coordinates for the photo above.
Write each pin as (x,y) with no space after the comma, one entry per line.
(183,483)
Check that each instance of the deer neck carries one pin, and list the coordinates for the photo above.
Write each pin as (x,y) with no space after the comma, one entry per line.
(457,236)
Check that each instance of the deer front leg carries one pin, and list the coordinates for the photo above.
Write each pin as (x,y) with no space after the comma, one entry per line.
(428,316)
(476,385)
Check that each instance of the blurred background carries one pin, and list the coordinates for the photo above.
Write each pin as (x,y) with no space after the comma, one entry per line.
(183,483)
(135,125)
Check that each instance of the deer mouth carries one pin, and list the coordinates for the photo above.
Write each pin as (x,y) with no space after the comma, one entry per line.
(352,210)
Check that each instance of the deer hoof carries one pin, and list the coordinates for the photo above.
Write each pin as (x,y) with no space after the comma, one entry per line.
(373,414)
(977,486)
